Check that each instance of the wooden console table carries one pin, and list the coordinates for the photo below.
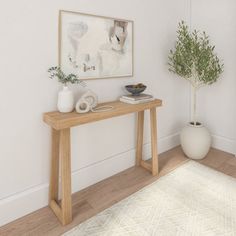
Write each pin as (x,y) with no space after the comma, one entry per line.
(61,124)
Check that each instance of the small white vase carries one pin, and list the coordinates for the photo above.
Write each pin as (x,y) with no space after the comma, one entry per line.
(65,102)
(195,141)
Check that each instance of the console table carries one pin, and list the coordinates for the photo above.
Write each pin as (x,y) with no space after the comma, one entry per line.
(60,125)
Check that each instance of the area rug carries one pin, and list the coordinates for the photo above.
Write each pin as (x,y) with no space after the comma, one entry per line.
(192,200)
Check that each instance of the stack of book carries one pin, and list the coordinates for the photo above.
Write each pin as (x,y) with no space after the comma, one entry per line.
(136,99)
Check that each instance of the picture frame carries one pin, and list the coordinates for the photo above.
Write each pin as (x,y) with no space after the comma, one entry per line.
(95,47)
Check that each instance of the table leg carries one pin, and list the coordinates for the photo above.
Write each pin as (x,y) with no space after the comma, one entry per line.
(139,147)
(53,186)
(153,167)
(153,120)
(61,150)
(65,158)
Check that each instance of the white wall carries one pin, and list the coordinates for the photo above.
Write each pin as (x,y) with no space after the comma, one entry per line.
(216,103)
(28,47)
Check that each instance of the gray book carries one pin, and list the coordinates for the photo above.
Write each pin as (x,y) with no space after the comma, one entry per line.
(136,102)
(137,97)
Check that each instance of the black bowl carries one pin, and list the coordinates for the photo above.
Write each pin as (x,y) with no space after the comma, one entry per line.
(135,90)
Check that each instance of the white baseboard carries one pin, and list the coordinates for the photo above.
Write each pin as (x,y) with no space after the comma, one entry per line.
(21,204)
(224,144)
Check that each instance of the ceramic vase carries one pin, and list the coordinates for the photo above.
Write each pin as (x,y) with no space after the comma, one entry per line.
(65,101)
(195,141)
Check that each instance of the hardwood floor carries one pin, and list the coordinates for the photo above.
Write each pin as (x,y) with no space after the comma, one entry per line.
(102,195)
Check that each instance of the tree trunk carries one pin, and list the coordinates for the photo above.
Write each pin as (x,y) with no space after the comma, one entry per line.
(194,105)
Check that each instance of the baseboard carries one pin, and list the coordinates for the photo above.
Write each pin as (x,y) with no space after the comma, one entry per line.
(224,144)
(21,204)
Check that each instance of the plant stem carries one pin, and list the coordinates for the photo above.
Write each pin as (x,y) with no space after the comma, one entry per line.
(194,105)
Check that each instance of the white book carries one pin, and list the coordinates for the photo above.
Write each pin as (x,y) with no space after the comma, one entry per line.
(136,102)
(137,97)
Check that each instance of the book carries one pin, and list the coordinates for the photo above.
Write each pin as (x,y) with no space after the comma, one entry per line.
(137,97)
(136,102)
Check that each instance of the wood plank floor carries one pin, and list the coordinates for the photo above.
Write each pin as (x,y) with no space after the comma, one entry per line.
(102,195)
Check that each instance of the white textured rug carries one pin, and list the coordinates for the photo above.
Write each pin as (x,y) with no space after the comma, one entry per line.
(193,200)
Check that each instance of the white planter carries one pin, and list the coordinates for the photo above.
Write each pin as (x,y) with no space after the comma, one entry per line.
(65,101)
(195,141)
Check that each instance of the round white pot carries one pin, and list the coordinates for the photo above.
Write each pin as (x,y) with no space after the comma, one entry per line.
(195,141)
(65,102)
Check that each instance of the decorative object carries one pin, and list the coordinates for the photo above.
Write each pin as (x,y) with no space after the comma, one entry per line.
(102,108)
(65,101)
(96,46)
(136,89)
(61,125)
(82,106)
(195,141)
(86,102)
(191,200)
(195,60)
(91,98)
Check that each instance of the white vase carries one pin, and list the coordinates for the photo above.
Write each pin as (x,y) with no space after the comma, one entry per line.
(195,141)
(65,102)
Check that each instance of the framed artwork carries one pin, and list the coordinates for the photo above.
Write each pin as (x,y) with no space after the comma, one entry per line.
(95,46)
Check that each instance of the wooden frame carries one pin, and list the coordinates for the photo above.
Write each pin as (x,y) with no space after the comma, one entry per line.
(61,123)
(99,16)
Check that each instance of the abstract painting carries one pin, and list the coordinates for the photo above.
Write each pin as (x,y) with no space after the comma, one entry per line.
(95,46)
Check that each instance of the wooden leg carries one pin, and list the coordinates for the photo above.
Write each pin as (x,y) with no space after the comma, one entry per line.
(53,186)
(153,120)
(61,148)
(65,158)
(153,167)
(139,147)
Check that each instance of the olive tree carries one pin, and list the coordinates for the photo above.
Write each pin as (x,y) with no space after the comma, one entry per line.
(195,60)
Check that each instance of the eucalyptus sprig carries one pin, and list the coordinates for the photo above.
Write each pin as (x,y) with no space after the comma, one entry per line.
(56,72)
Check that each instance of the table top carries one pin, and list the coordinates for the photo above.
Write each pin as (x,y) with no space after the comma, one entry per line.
(58,120)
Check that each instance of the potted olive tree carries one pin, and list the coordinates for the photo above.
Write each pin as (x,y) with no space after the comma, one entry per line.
(65,102)
(195,60)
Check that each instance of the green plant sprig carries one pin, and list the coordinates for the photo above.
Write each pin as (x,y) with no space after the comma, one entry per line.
(56,72)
